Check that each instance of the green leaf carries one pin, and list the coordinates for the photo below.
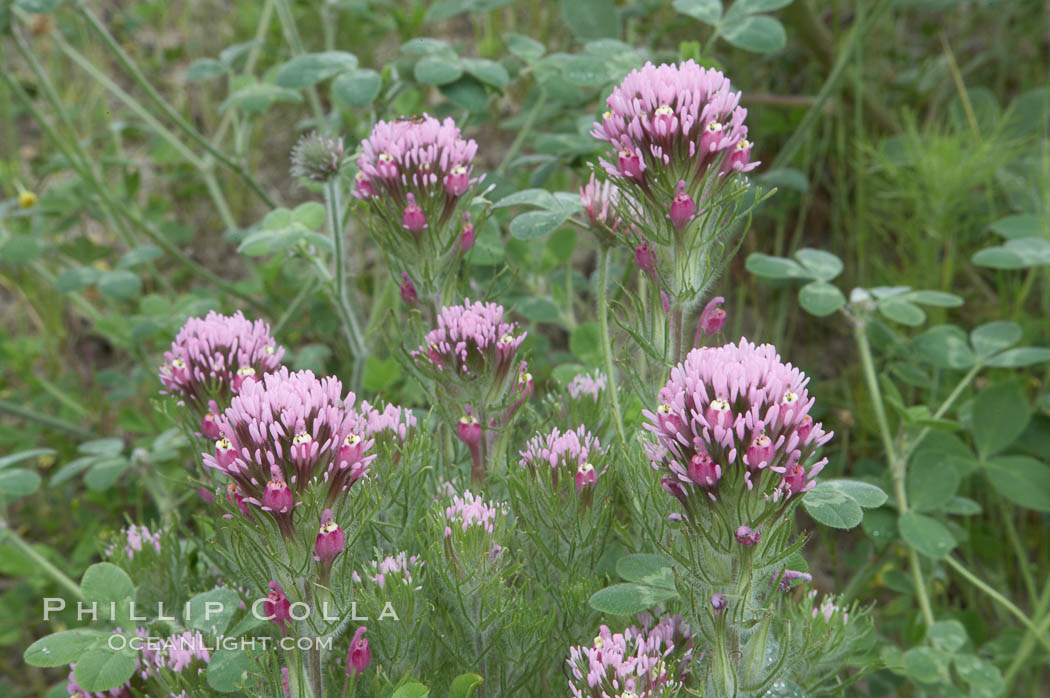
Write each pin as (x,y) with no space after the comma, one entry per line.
(311,68)
(105,582)
(629,599)
(103,669)
(984,678)
(1000,414)
(357,88)
(1022,356)
(932,481)
(948,635)
(1022,226)
(489,72)
(937,298)
(591,19)
(586,71)
(437,70)
(1018,253)
(832,507)
(76,278)
(61,649)
(927,665)
(411,690)
(1022,480)
(754,6)
(524,47)
(425,46)
(648,569)
(142,254)
(72,468)
(257,97)
(538,309)
(212,610)
(17,482)
(24,455)
(205,69)
(758,33)
(467,93)
(928,536)
(104,473)
(536,224)
(902,311)
(991,338)
(770,267)
(119,284)
(540,198)
(961,506)
(865,494)
(820,298)
(707,11)
(785,178)
(464,686)
(585,344)
(945,346)
(381,374)
(226,669)
(102,447)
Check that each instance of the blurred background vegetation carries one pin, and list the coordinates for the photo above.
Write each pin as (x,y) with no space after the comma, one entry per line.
(142,142)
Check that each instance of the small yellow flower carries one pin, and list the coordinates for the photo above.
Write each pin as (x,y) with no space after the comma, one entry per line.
(26,199)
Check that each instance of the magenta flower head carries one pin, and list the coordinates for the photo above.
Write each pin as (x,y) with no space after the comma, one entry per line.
(585,386)
(674,122)
(286,434)
(418,162)
(472,529)
(571,454)
(276,607)
(712,319)
(359,656)
(211,359)
(640,662)
(734,413)
(331,540)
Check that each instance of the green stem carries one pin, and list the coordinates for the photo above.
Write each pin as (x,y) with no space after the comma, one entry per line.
(335,224)
(49,569)
(898,466)
(1040,635)
(176,118)
(603,329)
(1042,612)
(47,420)
(523,133)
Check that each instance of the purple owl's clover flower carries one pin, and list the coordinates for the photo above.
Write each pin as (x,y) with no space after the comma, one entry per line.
(284,434)
(735,408)
(212,358)
(564,454)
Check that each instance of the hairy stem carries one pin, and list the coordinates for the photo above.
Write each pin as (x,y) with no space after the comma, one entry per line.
(603,329)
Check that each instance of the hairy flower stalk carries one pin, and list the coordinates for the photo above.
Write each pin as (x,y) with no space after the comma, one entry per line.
(415,174)
(677,149)
(472,358)
(735,445)
(212,358)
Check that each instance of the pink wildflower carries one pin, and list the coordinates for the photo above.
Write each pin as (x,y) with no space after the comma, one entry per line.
(571,451)
(359,656)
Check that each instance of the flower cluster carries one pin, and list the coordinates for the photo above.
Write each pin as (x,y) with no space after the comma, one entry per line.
(316,157)
(401,567)
(415,170)
(212,357)
(671,124)
(600,200)
(735,405)
(472,340)
(640,662)
(469,510)
(282,434)
(175,653)
(586,385)
(558,451)
(394,420)
(137,538)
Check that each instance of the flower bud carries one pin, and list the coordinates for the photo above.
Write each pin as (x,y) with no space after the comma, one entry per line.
(469,430)
(585,475)
(278,497)
(330,539)
(225,453)
(713,318)
(718,602)
(457,181)
(413,220)
(718,414)
(235,498)
(683,208)
(760,452)
(277,607)
(317,158)
(408,291)
(466,238)
(630,165)
(747,536)
(645,258)
(704,471)
(359,656)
